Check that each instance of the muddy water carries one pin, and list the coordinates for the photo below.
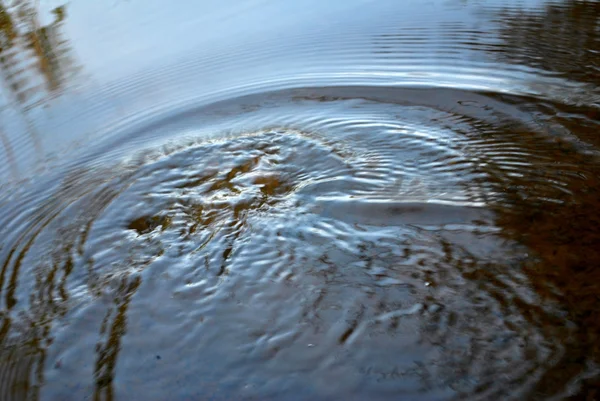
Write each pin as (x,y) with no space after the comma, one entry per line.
(341,201)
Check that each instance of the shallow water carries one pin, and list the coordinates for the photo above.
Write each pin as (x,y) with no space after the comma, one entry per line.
(316,200)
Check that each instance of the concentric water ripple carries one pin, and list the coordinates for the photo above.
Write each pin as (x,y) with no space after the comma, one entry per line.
(314,243)
(339,200)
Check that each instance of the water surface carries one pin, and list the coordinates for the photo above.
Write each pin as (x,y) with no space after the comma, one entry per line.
(341,201)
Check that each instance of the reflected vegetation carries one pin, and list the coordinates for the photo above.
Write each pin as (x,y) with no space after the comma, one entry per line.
(564,38)
(114,326)
(561,37)
(36,63)
(35,59)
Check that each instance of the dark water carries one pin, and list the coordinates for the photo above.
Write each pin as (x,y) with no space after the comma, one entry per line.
(340,200)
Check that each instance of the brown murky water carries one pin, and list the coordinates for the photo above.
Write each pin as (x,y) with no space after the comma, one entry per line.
(257,200)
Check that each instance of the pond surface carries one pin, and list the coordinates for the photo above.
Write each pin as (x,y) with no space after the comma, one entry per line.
(312,200)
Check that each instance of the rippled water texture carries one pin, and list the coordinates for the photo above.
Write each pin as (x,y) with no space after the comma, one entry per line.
(341,200)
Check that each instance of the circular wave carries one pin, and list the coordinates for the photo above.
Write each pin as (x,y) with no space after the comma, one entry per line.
(309,243)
